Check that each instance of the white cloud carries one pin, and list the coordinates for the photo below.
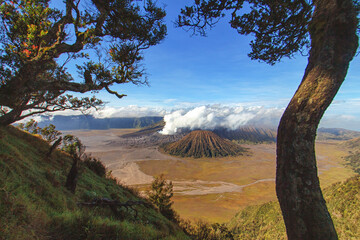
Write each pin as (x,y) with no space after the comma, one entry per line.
(128,111)
(341,121)
(37,118)
(232,116)
(107,112)
(213,116)
(170,100)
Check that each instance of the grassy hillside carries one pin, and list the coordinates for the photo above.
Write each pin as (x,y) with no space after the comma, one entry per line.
(265,221)
(35,205)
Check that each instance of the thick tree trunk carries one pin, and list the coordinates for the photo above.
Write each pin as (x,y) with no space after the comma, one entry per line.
(333,45)
(10,117)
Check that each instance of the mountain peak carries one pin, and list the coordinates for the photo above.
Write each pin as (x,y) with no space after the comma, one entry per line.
(201,143)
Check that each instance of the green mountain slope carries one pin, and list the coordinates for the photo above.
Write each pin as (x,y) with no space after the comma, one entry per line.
(34,204)
(265,221)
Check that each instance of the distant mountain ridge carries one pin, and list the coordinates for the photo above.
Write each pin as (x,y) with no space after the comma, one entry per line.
(252,133)
(336,134)
(202,143)
(148,130)
(77,122)
(248,133)
(243,134)
(153,124)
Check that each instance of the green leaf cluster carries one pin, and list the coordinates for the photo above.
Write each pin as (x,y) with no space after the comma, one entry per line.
(280,28)
(160,195)
(49,133)
(104,40)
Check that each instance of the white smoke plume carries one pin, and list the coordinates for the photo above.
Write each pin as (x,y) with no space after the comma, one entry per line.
(211,117)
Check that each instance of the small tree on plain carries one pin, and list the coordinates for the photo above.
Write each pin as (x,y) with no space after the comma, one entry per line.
(160,196)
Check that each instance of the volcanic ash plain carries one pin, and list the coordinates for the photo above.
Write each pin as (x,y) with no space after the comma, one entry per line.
(211,189)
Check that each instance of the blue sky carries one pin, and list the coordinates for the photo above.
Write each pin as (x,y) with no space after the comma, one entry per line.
(187,71)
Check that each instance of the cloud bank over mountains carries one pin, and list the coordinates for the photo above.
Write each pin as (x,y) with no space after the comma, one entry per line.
(211,116)
(131,111)
(217,116)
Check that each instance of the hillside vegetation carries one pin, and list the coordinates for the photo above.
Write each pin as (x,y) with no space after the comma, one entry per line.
(34,204)
(265,221)
(352,160)
(203,144)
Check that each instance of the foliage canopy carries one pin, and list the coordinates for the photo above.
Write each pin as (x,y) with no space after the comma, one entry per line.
(104,40)
(279,27)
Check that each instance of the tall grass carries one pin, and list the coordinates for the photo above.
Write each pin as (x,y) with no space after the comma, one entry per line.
(265,221)
(34,204)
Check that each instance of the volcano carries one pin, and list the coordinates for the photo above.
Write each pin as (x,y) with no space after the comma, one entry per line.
(202,143)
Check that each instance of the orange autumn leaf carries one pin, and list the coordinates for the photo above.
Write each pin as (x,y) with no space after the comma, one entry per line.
(27,52)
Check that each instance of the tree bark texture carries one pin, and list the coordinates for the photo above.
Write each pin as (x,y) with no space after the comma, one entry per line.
(333,45)
(72,177)
(53,147)
(10,117)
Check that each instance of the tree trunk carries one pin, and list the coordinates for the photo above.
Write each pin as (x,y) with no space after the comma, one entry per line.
(53,147)
(10,117)
(333,44)
(72,177)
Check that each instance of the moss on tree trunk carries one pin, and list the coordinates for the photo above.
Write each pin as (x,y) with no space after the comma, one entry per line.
(333,45)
